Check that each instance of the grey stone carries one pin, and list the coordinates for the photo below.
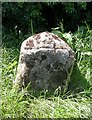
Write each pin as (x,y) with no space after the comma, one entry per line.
(45,61)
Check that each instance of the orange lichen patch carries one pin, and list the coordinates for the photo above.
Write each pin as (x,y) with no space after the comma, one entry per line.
(47,32)
(38,37)
(55,37)
(30,43)
(63,47)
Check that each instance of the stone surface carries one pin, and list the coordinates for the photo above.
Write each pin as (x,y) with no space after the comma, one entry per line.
(45,61)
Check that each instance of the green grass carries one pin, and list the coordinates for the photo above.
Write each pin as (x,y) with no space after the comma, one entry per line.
(75,103)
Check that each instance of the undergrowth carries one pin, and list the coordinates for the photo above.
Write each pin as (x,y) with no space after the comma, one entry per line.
(75,103)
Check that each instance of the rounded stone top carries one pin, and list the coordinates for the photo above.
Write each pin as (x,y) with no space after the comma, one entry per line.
(41,41)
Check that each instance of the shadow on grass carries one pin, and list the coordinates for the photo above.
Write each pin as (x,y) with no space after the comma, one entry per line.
(78,83)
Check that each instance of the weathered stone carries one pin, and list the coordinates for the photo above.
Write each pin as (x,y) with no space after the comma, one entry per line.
(45,61)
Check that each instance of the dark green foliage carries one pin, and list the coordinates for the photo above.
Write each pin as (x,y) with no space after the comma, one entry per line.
(21,14)
(45,15)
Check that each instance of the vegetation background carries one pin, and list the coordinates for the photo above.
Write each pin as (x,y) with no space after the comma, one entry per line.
(72,21)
